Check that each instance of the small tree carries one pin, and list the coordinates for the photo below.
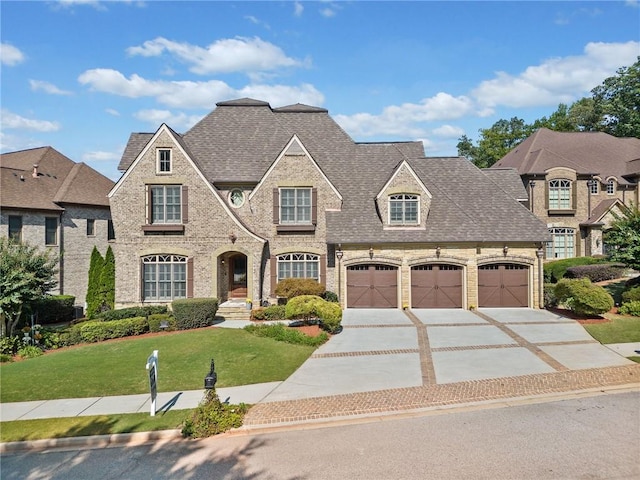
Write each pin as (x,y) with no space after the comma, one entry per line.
(107,282)
(93,287)
(26,274)
(623,238)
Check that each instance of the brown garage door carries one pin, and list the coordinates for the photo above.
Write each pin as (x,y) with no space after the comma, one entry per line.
(436,286)
(372,286)
(503,285)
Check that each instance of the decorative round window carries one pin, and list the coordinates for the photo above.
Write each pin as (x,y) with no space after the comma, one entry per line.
(236,197)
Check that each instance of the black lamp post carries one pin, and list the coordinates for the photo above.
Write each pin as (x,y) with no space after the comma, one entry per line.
(339,255)
(211,378)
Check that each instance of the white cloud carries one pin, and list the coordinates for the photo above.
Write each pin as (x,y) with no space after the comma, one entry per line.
(188,94)
(113,112)
(10,55)
(327,12)
(99,156)
(557,80)
(298,9)
(448,131)
(13,120)
(179,121)
(229,55)
(39,85)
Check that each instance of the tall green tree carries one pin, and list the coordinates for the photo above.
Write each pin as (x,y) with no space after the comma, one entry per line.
(617,101)
(623,238)
(93,287)
(108,282)
(26,274)
(560,121)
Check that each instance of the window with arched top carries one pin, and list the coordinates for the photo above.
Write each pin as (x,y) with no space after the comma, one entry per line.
(562,244)
(559,194)
(298,265)
(164,277)
(611,187)
(403,209)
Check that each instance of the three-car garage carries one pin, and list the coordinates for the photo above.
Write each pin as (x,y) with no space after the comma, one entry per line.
(437,285)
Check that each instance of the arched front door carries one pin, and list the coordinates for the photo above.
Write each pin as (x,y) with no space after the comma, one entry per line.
(238,276)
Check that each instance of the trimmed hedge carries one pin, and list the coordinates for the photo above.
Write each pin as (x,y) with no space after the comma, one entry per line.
(582,297)
(194,312)
(54,309)
(556,269)
(294,287)
(550,299)
(157,318)
(272,312)
(97,331)
(596,272)
(131,312)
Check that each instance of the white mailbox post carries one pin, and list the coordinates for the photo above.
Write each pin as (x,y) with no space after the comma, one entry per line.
(152,366)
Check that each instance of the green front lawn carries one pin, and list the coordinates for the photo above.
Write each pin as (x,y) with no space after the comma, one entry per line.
(620,329)
(118,367)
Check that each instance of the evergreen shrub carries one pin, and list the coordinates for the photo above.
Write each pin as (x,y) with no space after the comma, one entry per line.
(157,318)
(582,297)
(596,272)
(630,308)
(131,312)
(272,312)
(213,417)
(54,309)
(294,287)
(97,331)
(632,295)
(194,312)
(556,269)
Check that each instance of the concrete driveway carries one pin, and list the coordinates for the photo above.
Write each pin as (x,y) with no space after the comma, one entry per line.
(387,349)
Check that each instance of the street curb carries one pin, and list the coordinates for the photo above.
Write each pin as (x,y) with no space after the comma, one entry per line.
(139,438)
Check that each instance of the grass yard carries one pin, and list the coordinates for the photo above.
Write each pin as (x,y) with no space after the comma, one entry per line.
(620,329)
(23,430)
(117,367)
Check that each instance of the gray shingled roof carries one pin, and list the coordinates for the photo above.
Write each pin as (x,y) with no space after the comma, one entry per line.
(508,180)
(240,139)
(59,181)
(595,153)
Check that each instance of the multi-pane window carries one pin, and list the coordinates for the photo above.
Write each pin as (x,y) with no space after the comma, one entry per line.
(611,187)
(165,203)
(563,243)
(15,227)
(164,161)
(298,265)
(164,277)
(295,205)
(91,227)
(559,194)
(403,209)
(51,231)
(594,187)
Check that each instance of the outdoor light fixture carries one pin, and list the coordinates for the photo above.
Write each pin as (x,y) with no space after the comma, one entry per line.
(505,250)
(339,253)
(438,251)
(232,237)
(370,252)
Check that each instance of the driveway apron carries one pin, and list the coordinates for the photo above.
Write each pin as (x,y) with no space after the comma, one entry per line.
(382,349)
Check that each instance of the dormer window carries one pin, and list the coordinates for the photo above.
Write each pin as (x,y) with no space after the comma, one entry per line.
(559,194)
(594,187)
(403,209)
(611,187)
(164,160)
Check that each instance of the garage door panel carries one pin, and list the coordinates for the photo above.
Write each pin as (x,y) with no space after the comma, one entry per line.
(436,286)
(503,285)
(372,286)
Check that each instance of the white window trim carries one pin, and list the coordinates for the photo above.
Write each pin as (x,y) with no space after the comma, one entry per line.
(244,198)
(611,184)
(164,259)
(559,188)
(158,155)
(567,233)
(306,258)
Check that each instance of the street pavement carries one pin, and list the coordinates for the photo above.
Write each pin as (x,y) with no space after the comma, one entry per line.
(390,360)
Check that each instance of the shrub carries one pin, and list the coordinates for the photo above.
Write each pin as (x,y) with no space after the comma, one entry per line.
(294,287)
(97,331)
(306,307)
(131,312)
(54,309)
(194,312)
(71,336)
(29,351)
(272,312)
(550,299)
(157,318)
(582,297)
(212,417)
(596,273)
(555,270)
(630,308)
(632,295)
(4,358)
(330,296)
(93,287)
(282,333)
(10,345)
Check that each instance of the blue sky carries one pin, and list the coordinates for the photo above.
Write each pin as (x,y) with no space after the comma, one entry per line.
(81,75)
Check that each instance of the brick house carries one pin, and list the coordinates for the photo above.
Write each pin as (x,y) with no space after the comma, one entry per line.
(575,182)
(253,194)
(50,201)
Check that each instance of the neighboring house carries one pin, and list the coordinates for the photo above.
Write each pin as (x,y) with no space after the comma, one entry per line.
(50,201)
(576,181)
(253,194)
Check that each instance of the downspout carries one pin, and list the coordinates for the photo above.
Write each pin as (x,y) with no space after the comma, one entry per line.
(532,184)
(61,254)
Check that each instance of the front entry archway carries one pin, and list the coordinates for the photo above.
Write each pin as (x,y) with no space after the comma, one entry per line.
(238,276)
